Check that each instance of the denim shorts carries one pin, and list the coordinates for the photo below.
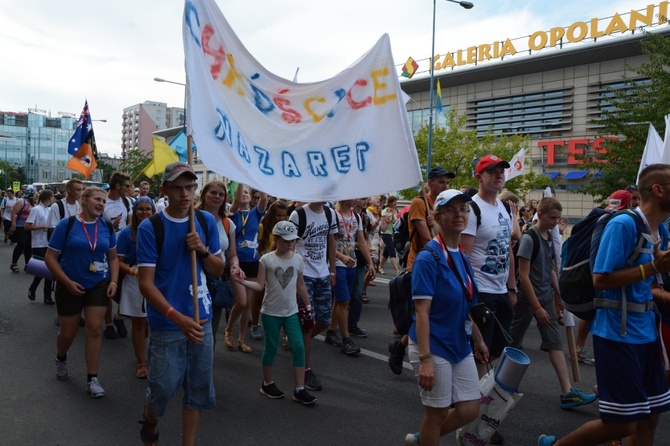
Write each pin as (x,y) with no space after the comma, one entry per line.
(173,362)
(344,287)
(321,296)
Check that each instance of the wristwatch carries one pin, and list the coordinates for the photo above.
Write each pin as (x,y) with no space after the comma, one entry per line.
(205,255)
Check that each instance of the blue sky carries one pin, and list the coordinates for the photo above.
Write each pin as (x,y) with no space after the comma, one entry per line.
(55,54)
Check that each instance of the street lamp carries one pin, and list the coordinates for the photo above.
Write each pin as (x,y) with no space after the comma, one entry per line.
(99,120)
(466,5)
(158,79)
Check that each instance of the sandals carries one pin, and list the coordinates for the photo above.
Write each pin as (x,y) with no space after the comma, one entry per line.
(365,299)
(228,341)
(244,348)
(14,267)
(147,438)
(141,371)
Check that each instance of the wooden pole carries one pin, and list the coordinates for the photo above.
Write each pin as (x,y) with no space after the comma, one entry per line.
(191,228)
(573,355)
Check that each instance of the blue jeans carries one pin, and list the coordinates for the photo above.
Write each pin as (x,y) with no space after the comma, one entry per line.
(174,361)
(356,302)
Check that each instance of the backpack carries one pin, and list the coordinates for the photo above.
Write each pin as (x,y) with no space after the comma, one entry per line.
(401,304)
(68,228)
(579,253)
(302,219)
(159,229)
(536,250)
(478,212)
(402,236)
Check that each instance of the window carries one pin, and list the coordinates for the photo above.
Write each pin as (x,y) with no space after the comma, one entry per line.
(601,98)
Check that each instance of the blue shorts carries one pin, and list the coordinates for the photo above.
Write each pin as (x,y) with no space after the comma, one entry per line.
(631,380)
(173,362)
(321,296)
(344,286)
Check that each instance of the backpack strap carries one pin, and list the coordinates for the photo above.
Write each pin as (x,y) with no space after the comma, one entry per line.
(433,252)
(126,202)
(302,221)
(61,208)
(226,225)
(159,229)
(478,212)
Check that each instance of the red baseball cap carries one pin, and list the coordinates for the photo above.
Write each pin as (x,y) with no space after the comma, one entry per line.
(490,162)
(619,200)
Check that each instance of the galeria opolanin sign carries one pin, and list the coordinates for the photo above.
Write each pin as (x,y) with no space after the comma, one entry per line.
(576,32)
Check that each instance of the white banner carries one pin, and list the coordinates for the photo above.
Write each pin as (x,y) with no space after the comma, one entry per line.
(340,138)
(653,149)
(517,165)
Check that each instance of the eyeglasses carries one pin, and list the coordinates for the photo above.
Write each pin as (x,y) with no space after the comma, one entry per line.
(658,184)
(178,188)
(452,210)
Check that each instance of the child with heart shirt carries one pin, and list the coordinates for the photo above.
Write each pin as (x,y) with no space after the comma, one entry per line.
(280,274)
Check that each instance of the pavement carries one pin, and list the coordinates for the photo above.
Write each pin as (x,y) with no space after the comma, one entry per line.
(362,402)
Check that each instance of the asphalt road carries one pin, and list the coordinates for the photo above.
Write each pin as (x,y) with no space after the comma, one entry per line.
(362,402)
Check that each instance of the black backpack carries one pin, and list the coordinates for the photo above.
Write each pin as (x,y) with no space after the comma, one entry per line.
(536,250)
(159,229)
(402,236)
(478,212)
(302,219)
(579,253)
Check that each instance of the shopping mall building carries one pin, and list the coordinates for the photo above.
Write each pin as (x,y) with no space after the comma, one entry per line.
(551,85)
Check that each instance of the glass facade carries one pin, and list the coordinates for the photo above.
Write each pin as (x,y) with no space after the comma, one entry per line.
(36,143)
(419,117)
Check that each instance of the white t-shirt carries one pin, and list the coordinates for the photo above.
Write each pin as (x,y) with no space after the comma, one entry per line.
(39,216)
(313,246)
(7,204)
(281,278)
(223,237)
(114,208)
(69,210)
(491,246)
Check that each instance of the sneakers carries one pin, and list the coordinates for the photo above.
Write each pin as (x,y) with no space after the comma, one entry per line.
(349,348)
(110,333)
(61,369)
(576,398)
(412,439)
(120,327)
(94,388)
(358,332)
(546,440)
(303,396)
(271,391)
(311,381)
(396,356)
(256,333)
(584,357)
(333,339)
(31,294)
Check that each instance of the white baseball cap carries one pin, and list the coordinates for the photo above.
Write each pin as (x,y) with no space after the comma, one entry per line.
(286,230)
(447,195)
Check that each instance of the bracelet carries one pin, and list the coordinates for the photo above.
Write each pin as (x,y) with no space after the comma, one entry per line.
(535,307)
(654,266)
(167,313)
(644,276)
(112,283)
(333,274)
(424,357)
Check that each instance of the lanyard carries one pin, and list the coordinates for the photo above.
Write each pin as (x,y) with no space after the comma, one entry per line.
(244,220)
(347,228)
(88,237)
(467,290)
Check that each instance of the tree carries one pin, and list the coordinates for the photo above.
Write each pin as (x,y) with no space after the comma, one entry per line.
(11,173)
(458,151)
(106,168)
(134,164)
(643,100)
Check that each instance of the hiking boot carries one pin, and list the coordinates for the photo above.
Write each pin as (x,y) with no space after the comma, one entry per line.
(576,398)
(584,357)
(94,388)
(412,439)
(256,333)
(546,440)
(61,369)
(333,339)
(120,327)
(349,348)
(496,438)
(396,356)
(110,333)
(271,391)
(303,396)
(311,381)
(358,332)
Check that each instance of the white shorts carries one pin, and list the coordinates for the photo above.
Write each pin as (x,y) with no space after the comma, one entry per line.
(453,382)
(132,303)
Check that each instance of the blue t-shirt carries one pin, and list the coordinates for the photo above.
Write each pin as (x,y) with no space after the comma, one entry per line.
(450,324)
(616,245)
(126,247)
(246,234)
(173,267)
(77,261)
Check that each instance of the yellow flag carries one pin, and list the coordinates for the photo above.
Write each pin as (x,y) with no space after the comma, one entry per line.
(163,155)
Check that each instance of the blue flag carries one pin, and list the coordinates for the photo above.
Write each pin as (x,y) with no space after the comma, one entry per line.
(81,133)
(180,145)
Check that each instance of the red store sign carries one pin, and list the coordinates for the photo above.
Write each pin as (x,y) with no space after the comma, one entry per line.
(574,147)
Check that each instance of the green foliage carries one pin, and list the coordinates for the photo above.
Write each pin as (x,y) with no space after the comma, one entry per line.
(11,173)
(637,105)
(106,168)
(134,164)
(457,150)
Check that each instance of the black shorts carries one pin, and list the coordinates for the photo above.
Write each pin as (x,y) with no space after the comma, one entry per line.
(250,269)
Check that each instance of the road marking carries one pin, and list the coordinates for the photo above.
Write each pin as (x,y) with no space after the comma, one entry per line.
(372,354)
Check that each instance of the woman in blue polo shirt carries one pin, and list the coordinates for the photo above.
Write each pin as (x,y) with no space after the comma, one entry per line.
(87,273)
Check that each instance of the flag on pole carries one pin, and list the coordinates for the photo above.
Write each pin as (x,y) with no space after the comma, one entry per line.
(409,68)
(654,149)
(163,155)
(439,98)
(82,145)
(517,165)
